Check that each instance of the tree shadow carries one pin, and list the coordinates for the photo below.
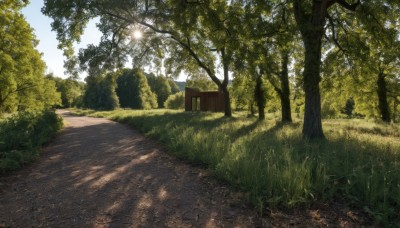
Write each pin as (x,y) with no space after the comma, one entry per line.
(106,174)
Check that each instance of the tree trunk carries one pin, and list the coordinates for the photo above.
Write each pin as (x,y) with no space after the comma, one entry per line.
(285,90)
(224,84)
(251,108)
(382,98)
(259,95)
(395,105)
(1,101)
(227,101)
(312,127)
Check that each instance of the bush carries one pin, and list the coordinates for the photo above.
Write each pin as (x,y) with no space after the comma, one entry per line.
(22,134)
(175,101)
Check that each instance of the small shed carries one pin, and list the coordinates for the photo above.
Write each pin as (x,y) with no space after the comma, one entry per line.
(195,100)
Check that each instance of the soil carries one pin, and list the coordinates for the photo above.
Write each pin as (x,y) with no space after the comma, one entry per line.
(98,173)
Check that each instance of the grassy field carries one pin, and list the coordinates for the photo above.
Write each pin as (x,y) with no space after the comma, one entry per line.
(359,163)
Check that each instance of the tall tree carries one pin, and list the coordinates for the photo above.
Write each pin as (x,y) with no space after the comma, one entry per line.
(133,90)
(22,82)
(311,17)
(100,92)
(160,86)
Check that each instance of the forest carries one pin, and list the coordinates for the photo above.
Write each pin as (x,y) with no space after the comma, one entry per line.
(311,90)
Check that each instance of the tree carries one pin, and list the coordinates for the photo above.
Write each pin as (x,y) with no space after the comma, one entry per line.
(100,92)
(242,91)
(22,82)
(175,101)
(173,85)
(202,83)
(160,85)
(311,17)
(366,53)
(133,90)
(70,89)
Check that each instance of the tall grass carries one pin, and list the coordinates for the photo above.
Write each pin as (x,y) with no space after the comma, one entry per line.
(21,136)
(359,163)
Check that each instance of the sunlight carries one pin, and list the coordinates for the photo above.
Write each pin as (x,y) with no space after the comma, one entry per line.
(137,34)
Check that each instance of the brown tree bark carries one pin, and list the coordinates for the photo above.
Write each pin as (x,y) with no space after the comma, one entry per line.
(224,84)
(311,22)
(382,98)
(259,95)
(312,126)
(311,27)
(285,89)
(227,101)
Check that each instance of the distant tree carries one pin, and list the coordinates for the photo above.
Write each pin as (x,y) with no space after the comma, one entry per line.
(174,86)
(160,86)
(100,92)
(201,83)
(349,107)
(70,89)
(133,90)
(175,101)
(242,91)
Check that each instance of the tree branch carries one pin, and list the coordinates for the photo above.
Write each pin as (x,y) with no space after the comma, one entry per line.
(334,33)
(351,7)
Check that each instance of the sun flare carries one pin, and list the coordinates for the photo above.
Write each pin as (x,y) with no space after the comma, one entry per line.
(137,34)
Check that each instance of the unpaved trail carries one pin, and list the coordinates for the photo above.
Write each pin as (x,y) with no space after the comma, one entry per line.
(98,173)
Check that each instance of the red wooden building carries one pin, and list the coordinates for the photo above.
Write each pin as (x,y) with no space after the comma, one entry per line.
(196,100)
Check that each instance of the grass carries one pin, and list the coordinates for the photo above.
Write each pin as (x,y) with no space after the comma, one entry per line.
(359,163)
(22,135)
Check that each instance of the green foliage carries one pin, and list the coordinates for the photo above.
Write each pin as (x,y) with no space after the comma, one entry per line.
(201,83)
(22,134)
(70,89)
(175,101)
(159,85)
(100,92)
(133,90)
(358,164)
(174,87)
(242,92)
(22,82)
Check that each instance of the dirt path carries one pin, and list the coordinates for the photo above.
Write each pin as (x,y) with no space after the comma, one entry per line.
(98,173)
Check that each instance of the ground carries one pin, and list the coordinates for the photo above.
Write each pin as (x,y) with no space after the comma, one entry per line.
(98,173)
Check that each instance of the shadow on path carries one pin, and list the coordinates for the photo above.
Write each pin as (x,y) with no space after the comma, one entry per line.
(99,173)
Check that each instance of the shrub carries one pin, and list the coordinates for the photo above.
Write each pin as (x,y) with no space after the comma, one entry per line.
(22,134)
(175,101)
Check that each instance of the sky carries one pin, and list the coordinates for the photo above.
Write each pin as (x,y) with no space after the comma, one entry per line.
(48,42)
(47,39)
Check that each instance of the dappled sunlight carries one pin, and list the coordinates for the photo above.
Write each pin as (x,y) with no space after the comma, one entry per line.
(272,162)
(99,173)
(162,193)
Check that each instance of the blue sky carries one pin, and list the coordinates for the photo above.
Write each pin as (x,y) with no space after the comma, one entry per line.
(48,42)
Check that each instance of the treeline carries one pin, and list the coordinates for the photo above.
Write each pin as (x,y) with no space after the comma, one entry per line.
(128,88)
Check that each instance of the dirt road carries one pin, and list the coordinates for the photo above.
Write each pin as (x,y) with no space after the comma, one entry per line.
(98,173)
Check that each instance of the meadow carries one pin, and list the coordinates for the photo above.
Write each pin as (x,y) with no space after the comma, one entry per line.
(359,163)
